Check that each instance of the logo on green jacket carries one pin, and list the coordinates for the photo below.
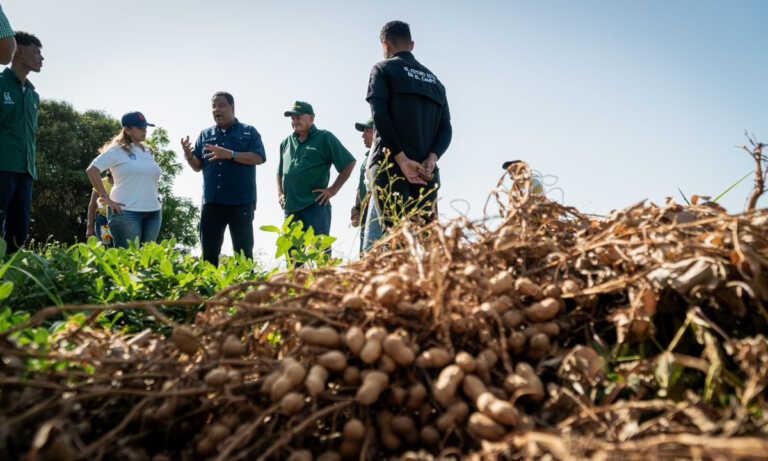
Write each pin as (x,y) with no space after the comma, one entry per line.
(7,99)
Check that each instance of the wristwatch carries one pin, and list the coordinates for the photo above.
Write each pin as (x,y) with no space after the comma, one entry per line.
(234,155)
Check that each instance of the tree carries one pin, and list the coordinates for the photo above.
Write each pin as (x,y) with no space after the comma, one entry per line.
(67,142)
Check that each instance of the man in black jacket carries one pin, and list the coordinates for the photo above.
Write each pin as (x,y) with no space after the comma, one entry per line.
(413,129)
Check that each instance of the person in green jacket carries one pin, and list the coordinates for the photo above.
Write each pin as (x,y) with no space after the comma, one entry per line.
(19,106)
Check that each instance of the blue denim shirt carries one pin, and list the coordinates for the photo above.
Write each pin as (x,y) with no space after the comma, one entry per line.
(226,182)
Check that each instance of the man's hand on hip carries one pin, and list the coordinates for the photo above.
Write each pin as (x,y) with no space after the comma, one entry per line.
(412,170)
(325,195)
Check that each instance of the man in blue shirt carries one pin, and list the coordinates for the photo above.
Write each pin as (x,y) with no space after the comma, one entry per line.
(227,153)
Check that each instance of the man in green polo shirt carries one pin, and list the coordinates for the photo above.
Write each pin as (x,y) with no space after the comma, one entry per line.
(19,105)
(306,157)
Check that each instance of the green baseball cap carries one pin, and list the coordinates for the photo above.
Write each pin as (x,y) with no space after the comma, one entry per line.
(300,107)
(363,126)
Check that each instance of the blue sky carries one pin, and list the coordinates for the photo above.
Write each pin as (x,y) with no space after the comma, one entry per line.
(618,101)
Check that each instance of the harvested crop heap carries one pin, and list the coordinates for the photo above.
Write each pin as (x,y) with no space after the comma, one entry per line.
(552,336)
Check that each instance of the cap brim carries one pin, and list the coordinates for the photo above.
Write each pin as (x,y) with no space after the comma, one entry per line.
(360,126)
(288,113)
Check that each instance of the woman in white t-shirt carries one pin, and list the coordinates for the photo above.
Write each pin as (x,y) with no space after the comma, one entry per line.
(133,206)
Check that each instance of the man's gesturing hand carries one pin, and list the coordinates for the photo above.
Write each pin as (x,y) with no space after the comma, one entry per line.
(187,146)
(413,170)
(325,195)
(217,153)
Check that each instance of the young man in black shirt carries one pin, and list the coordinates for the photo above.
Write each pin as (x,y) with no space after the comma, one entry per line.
(413,128)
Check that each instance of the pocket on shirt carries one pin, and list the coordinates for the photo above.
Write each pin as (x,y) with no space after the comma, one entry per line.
(241,144)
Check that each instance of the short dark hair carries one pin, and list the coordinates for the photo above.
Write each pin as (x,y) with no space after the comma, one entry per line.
(396,32)
(25,39)
(230,99)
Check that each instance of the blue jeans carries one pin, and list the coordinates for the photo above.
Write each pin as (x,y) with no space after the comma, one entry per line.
(374,228)
(315,216)
(15,203)
(132,225)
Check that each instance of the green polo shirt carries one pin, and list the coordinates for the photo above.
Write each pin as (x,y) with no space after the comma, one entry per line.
(18,125)
(5,27)
(306,166)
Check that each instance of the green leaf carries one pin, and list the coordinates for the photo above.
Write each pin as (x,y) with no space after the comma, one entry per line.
(272,229)
(53,297)
(717,199)
(309,235)
(7,265)
(283,246)
(5,290)
(166,267)
(189,277)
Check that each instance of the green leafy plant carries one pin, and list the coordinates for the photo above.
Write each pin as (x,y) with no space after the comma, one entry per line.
(87,273)
(300,247)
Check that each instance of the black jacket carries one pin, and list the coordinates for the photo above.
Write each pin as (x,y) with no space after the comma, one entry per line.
(409,108)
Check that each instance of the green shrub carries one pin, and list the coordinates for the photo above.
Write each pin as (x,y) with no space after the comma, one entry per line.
(302,247)
(89,273)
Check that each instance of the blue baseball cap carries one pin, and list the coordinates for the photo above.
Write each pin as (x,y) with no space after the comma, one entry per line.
(136,119)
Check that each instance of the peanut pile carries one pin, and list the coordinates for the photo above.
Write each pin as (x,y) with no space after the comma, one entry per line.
(546,334)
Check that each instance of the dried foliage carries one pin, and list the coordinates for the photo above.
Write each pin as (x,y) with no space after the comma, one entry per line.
(755,150)
(550,336)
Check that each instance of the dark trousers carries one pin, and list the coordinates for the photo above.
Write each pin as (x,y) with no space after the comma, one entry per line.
(316,216)
(396,194)
(213,221)
(15,204)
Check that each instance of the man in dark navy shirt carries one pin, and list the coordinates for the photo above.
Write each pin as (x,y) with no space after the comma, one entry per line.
(413,128)
(227,153)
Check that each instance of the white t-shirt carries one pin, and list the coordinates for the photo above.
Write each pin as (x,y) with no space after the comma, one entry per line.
(136,176)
